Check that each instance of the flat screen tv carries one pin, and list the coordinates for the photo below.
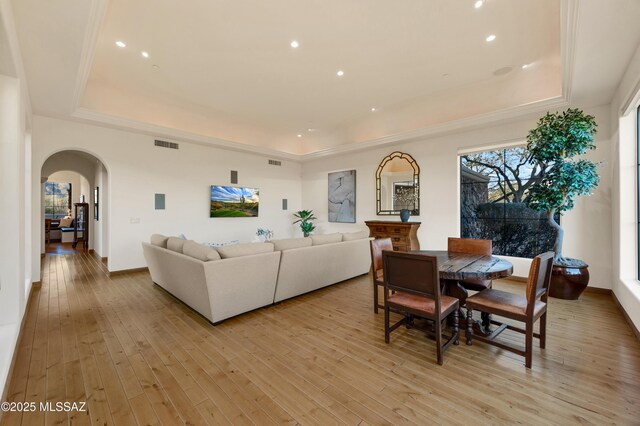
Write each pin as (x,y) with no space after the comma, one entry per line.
(229,201)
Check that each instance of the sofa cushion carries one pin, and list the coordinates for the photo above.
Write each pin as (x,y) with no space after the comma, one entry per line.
(159,240)
(246,249)
(200,251)
(319,240)
(291,243)
(175,244)
(350,236)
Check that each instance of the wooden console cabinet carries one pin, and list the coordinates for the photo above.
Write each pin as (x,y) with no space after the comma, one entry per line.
(403,234)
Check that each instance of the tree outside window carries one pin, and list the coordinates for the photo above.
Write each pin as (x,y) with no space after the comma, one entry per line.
(57,200)
(494,187)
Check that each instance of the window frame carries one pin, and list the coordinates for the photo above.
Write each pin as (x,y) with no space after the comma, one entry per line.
(69,199)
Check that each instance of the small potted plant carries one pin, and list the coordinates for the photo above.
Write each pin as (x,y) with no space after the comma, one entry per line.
(556,141)
(305,218)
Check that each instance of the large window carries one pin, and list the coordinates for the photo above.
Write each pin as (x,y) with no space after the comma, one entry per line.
(494,186)
(57,200)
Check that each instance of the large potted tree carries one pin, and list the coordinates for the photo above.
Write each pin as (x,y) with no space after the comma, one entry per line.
(556,142)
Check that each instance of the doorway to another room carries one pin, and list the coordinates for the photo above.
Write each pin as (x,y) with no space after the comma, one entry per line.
(73,205)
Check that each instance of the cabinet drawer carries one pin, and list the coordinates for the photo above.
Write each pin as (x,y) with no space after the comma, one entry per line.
(400,247)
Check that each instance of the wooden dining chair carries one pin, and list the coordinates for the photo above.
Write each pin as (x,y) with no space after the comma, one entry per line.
(471,246)
(377,246)
(527,309)
(415,283)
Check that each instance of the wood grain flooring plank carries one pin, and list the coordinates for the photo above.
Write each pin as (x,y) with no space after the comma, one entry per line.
(136,355)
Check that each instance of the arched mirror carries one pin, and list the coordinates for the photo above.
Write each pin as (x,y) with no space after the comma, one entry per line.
(398,185)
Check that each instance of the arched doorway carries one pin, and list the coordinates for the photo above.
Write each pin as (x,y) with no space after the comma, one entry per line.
(70,177)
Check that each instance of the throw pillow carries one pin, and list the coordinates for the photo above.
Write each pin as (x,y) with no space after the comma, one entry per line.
(175,244)
(159,240)
(66,222)
(199,251)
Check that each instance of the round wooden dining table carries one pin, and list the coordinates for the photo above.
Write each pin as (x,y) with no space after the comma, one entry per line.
(454,267)
(464,266)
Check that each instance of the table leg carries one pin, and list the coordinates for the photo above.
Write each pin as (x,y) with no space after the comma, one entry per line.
(454,289)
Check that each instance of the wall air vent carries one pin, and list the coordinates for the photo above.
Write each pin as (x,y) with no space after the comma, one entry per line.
(275,163)
(165,144)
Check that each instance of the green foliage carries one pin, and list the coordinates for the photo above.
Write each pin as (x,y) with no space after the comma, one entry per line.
(305,218)
(562,135)
(559,188)
(558,138)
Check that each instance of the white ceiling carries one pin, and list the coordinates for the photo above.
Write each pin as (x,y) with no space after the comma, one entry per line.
(226,73)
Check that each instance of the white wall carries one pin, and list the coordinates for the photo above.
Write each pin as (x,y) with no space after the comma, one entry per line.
(14,281)
(136,170)
(100,226)
(587,236)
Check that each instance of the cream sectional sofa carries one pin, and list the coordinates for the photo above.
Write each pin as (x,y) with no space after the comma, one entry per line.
(235,279)
(218,284)
(311,263)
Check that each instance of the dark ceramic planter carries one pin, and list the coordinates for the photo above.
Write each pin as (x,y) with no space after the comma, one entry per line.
(568,282)
(405,214)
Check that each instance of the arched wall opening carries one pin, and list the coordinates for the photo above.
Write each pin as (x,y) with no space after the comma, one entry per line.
(92,184)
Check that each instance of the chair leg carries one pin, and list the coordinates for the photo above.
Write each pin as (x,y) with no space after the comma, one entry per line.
(456,329)
(375,297)
(528,348)
(543,330)
(469,325)
(439,340)
(386,323)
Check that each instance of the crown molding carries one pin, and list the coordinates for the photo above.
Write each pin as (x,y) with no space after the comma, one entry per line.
(106,120)
(456,126)
(96,15)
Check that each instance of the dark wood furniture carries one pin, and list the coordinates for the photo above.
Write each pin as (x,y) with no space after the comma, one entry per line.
(50,225)
(471,246)
(415,281)
(527,309)
(404,235)
(456,267)
(81,228)
(376,265)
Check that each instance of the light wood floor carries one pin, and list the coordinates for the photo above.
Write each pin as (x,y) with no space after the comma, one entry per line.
(135,355)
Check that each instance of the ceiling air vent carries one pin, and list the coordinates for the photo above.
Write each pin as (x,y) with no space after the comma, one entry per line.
(165,144)
(275,163)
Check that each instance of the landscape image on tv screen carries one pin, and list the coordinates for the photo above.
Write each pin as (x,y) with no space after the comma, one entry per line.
(227,201)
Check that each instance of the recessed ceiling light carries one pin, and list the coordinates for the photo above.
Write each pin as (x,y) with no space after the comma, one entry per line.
(299,135)
(156,67)
(145,54)
(478,4)
(525,66)
(340,73)
(311,129)
(491,38)
(374,109)
(120,44)
(294,44)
